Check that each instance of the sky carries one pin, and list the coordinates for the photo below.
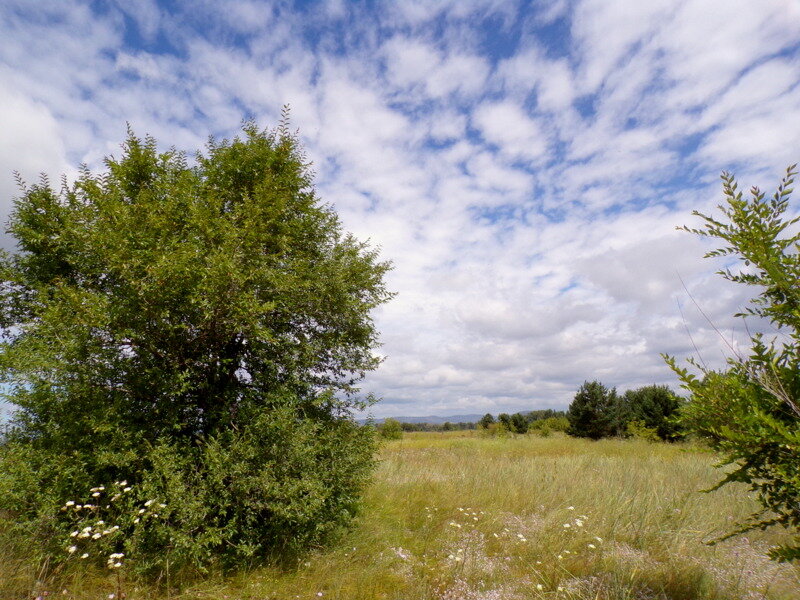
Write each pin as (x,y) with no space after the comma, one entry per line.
(523,165)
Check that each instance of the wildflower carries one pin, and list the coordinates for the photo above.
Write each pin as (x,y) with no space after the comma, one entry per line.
(124,483)
(74,533)
(523,539)
(450,556)
(592,546)
(163,505)
(578,523)
(101,523)
(599,539)
(570,508)
(560,589)
(117,565)
(95,494)
(87,528)
(141,511)
(85,555)
(127,489)
(111,597)
(97,536)
(458,558)
(539,587)
(149,502)
(566,525)
(83,534)
(72,549)
(136,520)
(70,503)
(560,557)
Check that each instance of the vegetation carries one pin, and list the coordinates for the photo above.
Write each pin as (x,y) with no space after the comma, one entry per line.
(751,412)
(591,414)
(391,429)
(458,516)
(196,331)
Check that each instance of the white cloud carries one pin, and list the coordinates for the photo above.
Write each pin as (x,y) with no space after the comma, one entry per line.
(526,191)
(507,126)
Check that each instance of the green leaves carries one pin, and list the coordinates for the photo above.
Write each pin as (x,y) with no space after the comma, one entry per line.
(751,412)
(159,303)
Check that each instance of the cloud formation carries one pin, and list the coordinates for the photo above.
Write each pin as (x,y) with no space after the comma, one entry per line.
(523,167)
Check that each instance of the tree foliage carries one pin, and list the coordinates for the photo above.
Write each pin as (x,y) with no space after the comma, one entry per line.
(751,412)
(166,309)
(391,429)
(591,413)
(654,407)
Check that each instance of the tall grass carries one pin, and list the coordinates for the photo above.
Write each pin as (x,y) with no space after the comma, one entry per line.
(460,517)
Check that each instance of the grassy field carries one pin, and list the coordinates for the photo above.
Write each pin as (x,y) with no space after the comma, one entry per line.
(459,517)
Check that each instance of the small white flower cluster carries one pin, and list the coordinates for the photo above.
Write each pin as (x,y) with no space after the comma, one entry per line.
(115,560)
(92,528)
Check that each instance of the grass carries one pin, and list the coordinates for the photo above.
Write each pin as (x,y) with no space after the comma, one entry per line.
(460,517)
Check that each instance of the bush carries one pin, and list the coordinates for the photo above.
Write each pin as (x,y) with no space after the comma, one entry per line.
(656,407)
(391,429)
(197,332)
(591,413)
(637,429)
(751,413)
(545,427)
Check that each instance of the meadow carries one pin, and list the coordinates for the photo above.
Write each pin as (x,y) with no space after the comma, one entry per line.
(457,516)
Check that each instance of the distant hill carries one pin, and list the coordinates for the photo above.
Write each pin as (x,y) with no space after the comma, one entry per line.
(432,420)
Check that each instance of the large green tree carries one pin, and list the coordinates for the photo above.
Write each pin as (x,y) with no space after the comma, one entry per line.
(591,413)
(168,308)
(751,412)
(654,406)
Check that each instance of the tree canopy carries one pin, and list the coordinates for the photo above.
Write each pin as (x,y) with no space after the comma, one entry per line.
(751,412)
(163,303)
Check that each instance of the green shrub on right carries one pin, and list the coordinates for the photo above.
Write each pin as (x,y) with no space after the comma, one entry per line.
(751,412)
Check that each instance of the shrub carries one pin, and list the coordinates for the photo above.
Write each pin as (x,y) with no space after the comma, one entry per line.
(391,429)
(198,332)
(637,429)
(655,406)
(751,412)
(591,412)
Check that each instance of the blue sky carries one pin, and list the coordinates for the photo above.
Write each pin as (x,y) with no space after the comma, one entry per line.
(524,165)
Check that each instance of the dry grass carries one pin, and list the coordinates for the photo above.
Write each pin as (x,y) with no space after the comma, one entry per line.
(459,517)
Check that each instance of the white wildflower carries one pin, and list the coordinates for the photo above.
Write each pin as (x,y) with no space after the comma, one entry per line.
(72,549)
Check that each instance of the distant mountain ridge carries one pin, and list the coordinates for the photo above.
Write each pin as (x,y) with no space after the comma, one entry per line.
(431,419)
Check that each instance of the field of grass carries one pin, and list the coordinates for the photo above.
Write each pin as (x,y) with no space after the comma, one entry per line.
(459,517)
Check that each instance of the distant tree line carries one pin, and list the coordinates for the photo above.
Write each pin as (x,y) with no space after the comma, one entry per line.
(540,421)
(648,412)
